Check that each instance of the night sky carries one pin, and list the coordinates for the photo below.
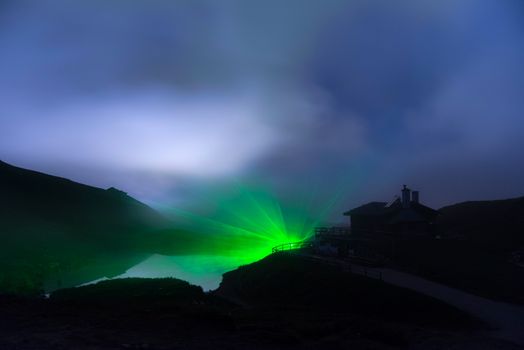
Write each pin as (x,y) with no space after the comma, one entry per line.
(172,100)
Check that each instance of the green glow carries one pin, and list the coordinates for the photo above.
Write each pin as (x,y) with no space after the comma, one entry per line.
(248,224)
(231,231)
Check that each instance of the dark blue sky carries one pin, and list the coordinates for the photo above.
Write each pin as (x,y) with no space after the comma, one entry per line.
(165,99)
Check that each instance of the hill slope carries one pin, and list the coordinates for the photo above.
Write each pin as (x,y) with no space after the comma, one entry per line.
(498,223)
(50,227)
(294,281)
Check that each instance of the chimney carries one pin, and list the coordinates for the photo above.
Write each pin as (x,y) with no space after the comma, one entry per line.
(414,197)
(406,197)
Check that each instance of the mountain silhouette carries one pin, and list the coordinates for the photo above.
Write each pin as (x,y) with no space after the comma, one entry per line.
(56,232)
(497,224)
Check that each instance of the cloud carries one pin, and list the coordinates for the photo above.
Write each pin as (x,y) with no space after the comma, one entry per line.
(325,90)
(481,106)
(197,136)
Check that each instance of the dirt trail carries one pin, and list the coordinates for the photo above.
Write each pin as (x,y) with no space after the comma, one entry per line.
(506,319)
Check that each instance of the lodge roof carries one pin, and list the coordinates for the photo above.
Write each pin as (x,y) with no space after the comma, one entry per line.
(395,213)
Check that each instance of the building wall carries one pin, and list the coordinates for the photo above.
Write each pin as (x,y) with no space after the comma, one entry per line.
(367,223)
(364,225)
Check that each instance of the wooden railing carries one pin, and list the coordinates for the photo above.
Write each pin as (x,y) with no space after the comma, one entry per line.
(291,246)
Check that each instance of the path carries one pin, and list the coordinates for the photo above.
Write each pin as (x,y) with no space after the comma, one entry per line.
(506,319)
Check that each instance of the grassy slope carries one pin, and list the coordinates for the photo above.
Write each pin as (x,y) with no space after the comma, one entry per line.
(497,225)
(66,233)
(292,281)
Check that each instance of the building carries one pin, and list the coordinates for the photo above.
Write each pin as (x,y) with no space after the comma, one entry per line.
(378,229)
(404,217)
